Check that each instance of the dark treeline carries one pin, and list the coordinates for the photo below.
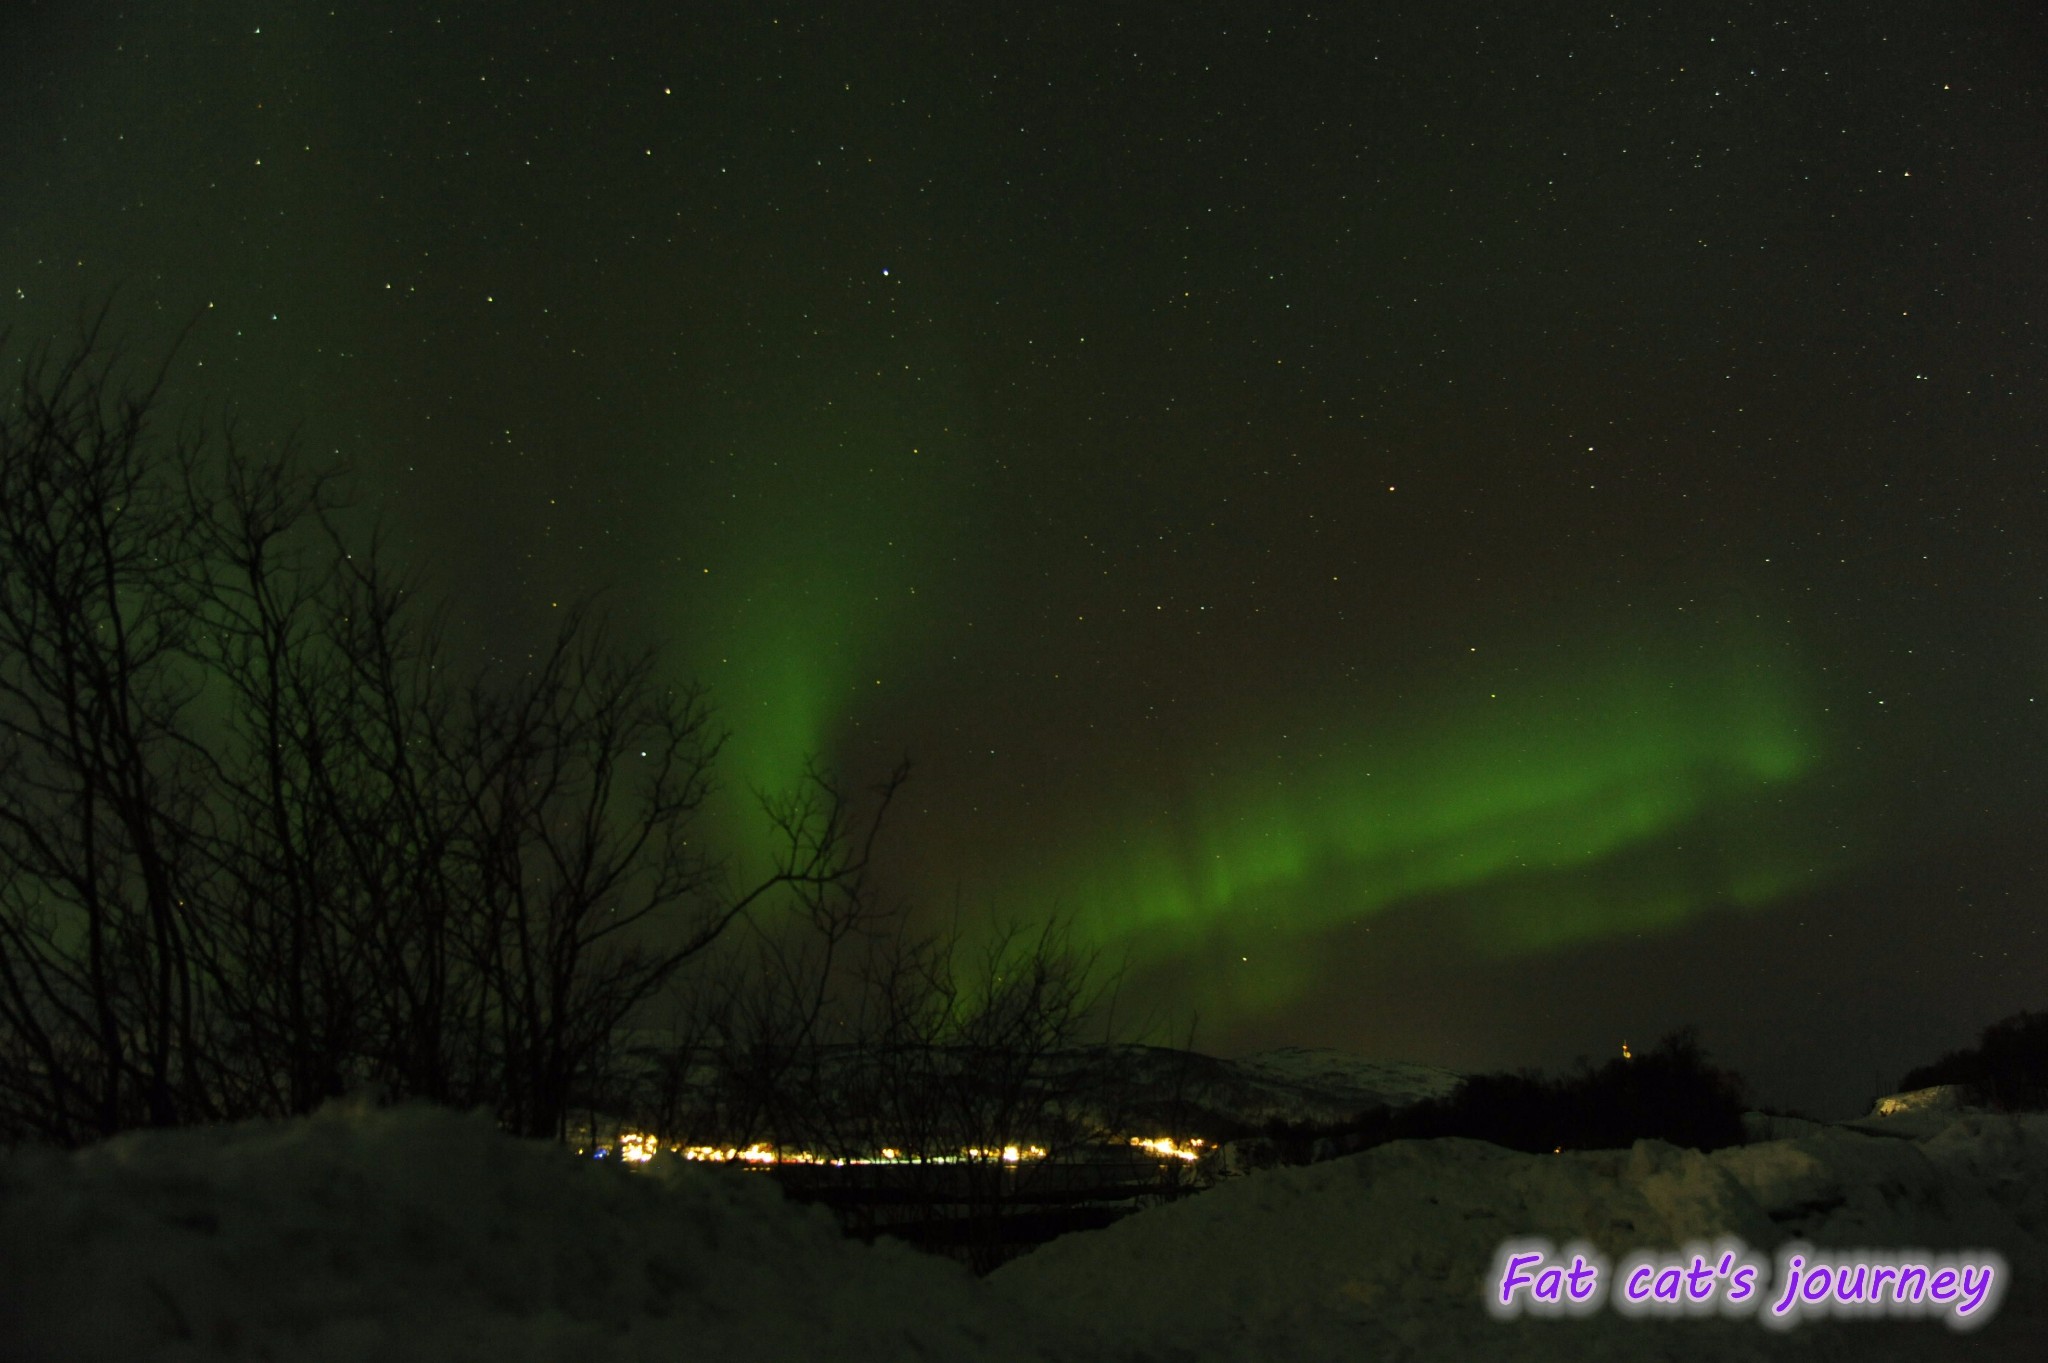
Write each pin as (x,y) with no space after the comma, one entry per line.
(848,1038)
(2007,1069)
(1672,1092)
(264,840)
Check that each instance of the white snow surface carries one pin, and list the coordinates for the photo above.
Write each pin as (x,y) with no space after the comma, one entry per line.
(411,1233)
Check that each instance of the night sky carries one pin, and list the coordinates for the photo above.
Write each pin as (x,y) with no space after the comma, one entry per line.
(1468,534)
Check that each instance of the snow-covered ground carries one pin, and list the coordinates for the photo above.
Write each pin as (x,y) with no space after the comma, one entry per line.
(416,1234)
(1385,1254)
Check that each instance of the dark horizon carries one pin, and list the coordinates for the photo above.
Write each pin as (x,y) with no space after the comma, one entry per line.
(1464,537)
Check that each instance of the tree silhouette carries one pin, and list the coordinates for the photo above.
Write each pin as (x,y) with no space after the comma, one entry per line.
(264,840)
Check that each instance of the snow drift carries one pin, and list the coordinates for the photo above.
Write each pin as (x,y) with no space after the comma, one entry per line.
(419,1234)
(1386,1254)
(412,1233)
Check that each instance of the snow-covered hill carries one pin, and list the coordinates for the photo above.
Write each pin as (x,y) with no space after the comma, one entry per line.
(414,1234)
(1189,1091)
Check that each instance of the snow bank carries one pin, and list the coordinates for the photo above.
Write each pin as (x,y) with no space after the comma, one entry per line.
(1385,1255)
(420,1234)
(417,1234)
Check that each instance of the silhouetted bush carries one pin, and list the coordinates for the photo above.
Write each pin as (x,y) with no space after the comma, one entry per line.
(2007,1069)
(1295,1142)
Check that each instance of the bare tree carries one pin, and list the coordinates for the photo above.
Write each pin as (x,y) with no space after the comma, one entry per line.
(852,1034)
(583,778)
(99,784)
(259,844)
(333,814)
(769,1023)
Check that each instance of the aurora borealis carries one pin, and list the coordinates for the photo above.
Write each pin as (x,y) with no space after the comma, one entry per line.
(1464,535)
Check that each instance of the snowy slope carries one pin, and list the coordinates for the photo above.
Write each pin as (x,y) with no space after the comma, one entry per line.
(1341,1078)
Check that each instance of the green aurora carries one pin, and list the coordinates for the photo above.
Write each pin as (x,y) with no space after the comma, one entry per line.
(1601,784)
(1619,788)
(826,563)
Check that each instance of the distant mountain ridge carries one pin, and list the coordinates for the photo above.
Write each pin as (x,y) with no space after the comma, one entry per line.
(1204,1094)
(1161,1089)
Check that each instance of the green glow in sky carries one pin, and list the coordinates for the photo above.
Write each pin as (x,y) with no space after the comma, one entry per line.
(822,530)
